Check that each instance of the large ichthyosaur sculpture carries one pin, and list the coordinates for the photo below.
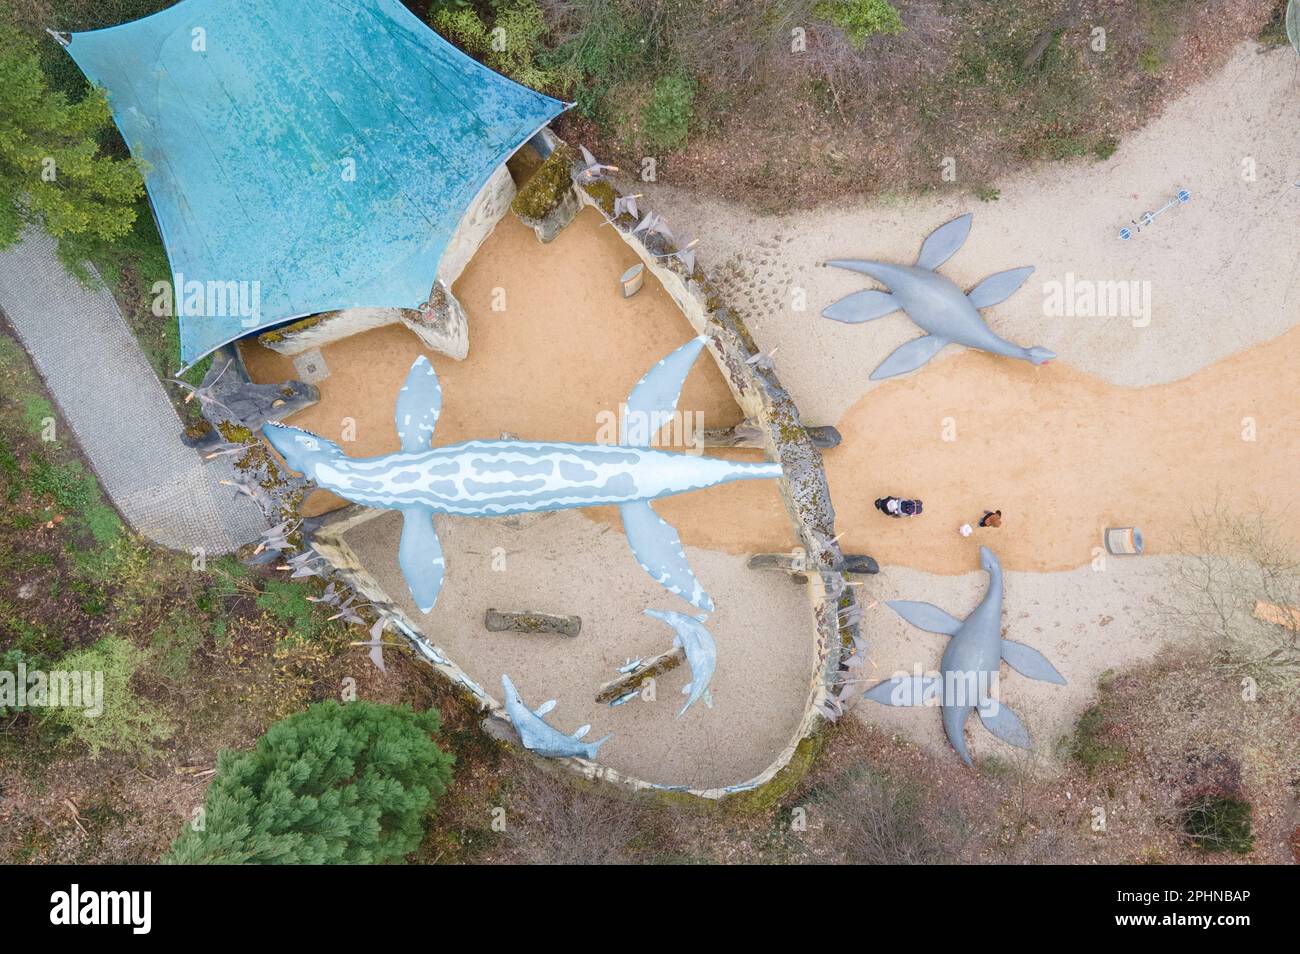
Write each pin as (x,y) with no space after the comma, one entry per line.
(969,667)
(933,302)
(539,736)
(700,650)
(500,478)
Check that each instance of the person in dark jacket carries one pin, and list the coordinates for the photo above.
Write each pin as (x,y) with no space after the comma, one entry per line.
(898,507)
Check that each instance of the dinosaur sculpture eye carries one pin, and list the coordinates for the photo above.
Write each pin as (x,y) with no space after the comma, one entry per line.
(308,443)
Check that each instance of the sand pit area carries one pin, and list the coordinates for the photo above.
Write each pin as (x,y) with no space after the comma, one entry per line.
(563,563)
(567,349)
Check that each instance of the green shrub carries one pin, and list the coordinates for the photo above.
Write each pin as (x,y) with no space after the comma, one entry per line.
(1220,823)
(513,51)
(287,601)
(1105,147)
(79,191)
(332,785)
(860,19)
(176,640)
(128,723)
(1092,745)
(666,118)
(611,45)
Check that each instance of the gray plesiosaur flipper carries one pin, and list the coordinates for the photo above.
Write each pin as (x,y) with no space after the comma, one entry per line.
(909,357)
(906,691)
(1006,725)
(941,244)
(862,306)
(1030,662)
(926,616)
(655,396)
(999,287)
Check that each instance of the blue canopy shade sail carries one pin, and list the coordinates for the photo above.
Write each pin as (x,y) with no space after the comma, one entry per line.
(303,158)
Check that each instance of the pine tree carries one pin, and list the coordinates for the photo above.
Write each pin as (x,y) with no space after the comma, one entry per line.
(51,169)
(334,784)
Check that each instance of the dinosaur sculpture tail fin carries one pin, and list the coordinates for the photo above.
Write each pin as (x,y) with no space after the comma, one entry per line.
(1040,355)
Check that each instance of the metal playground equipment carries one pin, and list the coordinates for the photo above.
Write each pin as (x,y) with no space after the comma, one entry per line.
(1149,218)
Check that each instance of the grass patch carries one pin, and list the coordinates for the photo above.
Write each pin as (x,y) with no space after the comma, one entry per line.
(1220,823)
(666,116)
(286,601)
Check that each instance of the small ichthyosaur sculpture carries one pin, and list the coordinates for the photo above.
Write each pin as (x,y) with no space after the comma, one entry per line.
(969,666)
(541,738)
(934,303)
(701,653)
(500,478)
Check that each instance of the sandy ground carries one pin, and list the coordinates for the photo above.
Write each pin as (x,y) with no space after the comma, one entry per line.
(563,563)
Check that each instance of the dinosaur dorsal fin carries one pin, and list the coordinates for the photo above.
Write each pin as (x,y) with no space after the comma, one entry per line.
(655,396)
(943,242)
(419,403)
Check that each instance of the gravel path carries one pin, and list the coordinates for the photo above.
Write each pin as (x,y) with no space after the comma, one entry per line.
(108,393)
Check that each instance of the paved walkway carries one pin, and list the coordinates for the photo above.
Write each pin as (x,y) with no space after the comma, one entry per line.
(117,408)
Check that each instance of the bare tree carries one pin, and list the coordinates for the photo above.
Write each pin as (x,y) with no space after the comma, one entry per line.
(1235,587)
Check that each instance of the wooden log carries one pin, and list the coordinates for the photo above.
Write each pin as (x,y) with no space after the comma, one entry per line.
(634,680)
(498,622)
(748,435)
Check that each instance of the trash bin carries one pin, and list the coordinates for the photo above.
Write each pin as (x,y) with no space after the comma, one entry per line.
(1124,541)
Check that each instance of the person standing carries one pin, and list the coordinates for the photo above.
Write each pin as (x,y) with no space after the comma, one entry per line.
(991,518)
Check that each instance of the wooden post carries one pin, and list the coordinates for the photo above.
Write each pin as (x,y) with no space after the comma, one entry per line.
(498,622)
(632,681)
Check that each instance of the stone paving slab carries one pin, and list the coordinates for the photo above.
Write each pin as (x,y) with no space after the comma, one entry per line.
(121,415)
